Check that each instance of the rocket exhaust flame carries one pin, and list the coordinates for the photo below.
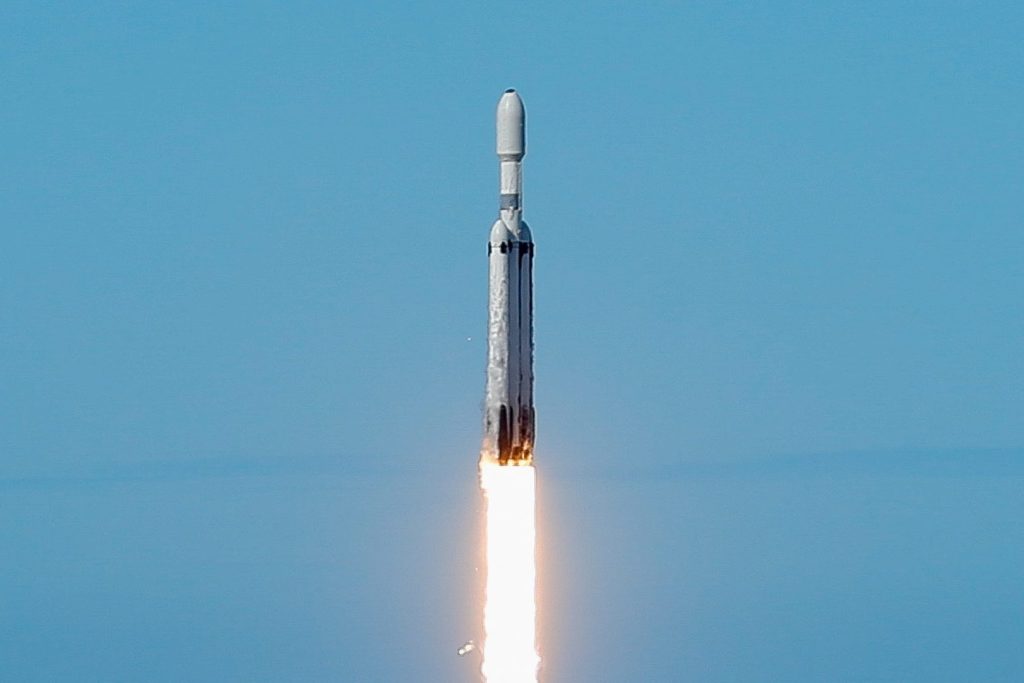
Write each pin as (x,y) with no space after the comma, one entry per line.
(507,476)
(510,612)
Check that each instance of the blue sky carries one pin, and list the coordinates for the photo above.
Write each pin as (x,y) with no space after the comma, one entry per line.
(779,321)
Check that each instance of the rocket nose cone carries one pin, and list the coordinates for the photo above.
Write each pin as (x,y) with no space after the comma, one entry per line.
(511,126)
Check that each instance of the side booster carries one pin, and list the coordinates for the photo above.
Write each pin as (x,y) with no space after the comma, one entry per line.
(509,414)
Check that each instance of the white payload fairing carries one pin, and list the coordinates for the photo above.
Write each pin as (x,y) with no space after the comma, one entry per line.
(508,407)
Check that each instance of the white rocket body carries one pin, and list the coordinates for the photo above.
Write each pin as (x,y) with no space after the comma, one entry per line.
(509,413)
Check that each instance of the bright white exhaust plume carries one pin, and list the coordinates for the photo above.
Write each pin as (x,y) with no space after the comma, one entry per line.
(510,611)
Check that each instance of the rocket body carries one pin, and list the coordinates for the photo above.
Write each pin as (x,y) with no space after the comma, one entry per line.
(508,405)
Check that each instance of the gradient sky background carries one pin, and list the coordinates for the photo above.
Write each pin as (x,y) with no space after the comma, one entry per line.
(779,328)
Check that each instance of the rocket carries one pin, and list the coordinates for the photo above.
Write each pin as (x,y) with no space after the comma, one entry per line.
(508,403)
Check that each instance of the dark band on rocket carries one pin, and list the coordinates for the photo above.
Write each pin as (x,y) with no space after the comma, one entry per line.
(510,201)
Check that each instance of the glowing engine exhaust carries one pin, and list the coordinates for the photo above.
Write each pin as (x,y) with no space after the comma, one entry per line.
(510,613)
